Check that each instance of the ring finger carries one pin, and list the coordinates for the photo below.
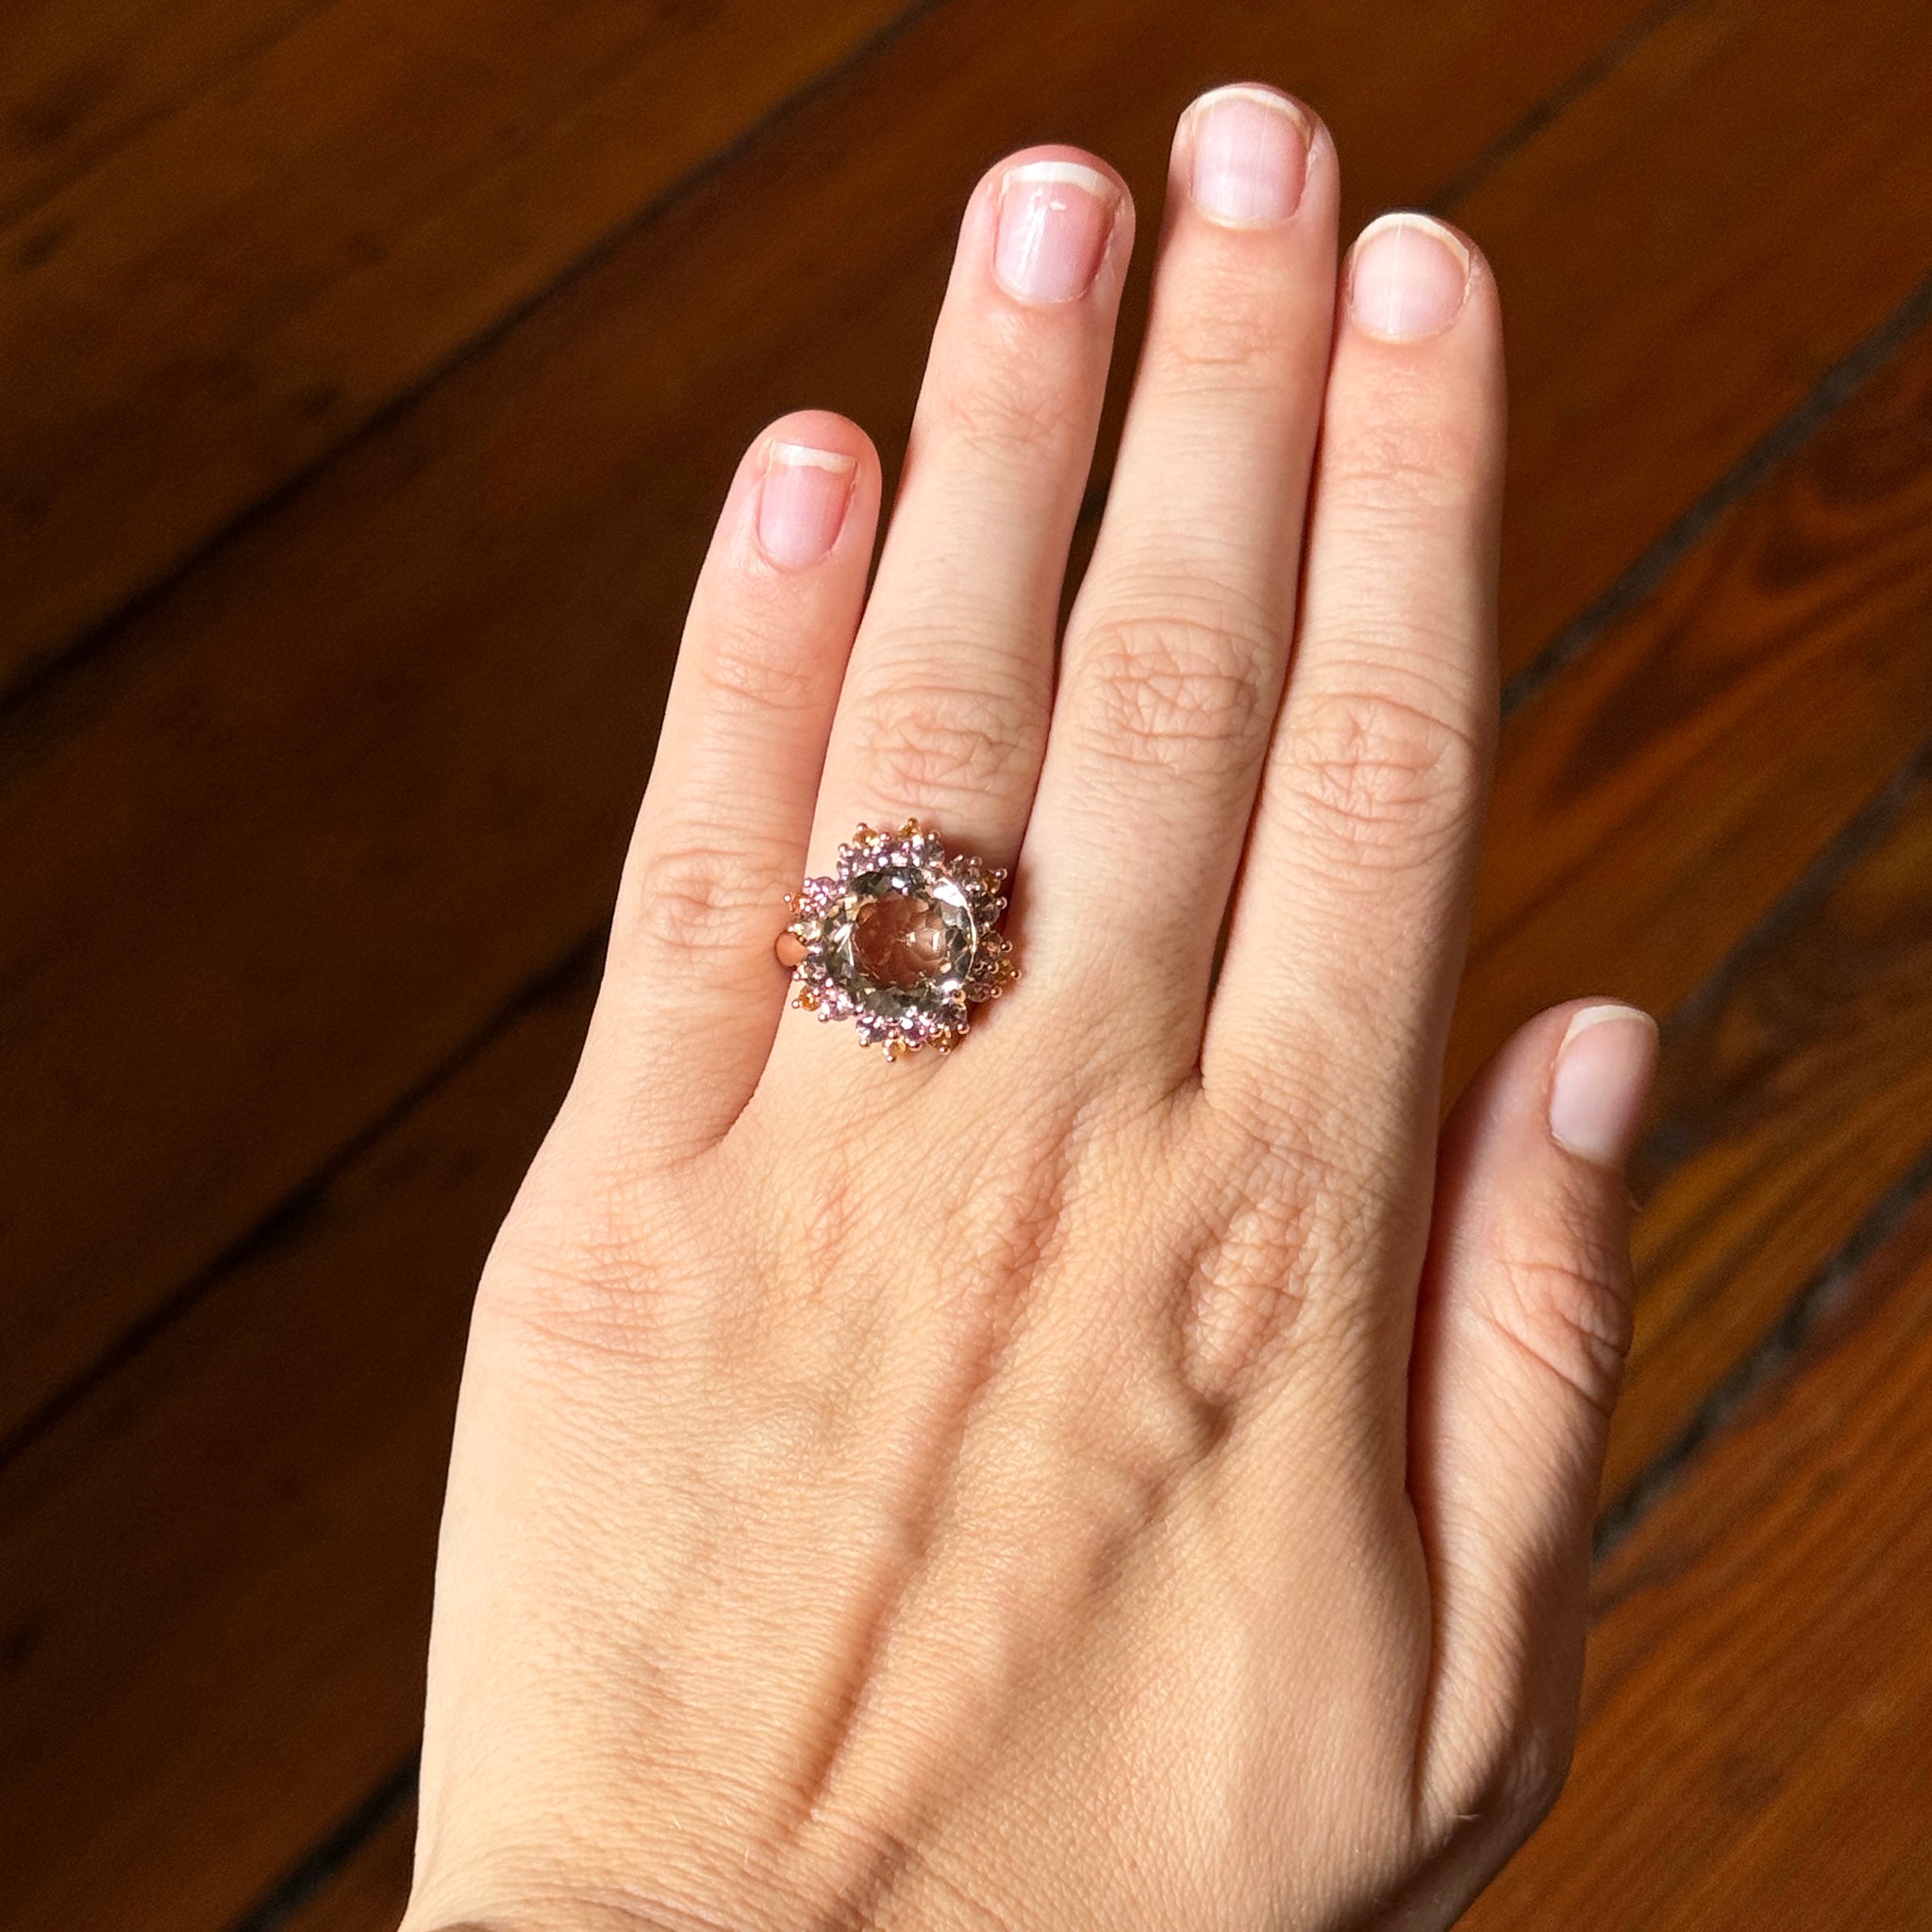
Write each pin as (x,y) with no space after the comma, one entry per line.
(945,702)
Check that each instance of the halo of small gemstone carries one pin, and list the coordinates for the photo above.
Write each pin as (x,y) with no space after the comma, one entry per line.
(901,938)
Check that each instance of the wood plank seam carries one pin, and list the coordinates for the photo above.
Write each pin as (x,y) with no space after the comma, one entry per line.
(1856,837)
(1617,53)
(101,634)
(1821,1291)
(314,1872)
(1827,1286)
(1781,442)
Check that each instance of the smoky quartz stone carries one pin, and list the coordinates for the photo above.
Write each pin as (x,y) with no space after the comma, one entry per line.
(898,941)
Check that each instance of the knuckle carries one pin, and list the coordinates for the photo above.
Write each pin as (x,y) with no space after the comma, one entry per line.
(1251,1288)
(759,667)
(695,896)
(1505,1787)
(571,1277)
(1570,1315)
(1535,1769)
(929,748)
(1231,333)
(1008,404)
(1390,778)
(1401,457)
(1175,690)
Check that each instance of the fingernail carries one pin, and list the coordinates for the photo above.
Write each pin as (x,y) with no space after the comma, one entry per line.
(802,502)
(1408,278)
(1249,156)
(1055,219)
(1602,1081)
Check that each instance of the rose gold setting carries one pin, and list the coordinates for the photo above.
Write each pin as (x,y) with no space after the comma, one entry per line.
(902,938)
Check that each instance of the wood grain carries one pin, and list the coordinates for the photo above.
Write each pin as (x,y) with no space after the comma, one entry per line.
(214,1579)
(263,270)
(1759,1691)
(1794,1097)
(1653,800)
(298,835)
(1698,240)
(79,83)
(268,267)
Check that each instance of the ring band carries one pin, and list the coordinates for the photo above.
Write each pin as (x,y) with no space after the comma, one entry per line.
(903,940)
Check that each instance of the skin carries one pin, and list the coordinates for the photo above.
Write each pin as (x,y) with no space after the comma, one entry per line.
(1133,1472)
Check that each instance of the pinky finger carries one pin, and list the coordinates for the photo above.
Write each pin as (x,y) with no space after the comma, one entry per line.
(1519,1351)
(691,993)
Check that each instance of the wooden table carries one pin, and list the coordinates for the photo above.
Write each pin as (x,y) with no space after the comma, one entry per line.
(371,373)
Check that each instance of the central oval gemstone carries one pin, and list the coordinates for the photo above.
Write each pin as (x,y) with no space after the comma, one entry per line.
(900,940)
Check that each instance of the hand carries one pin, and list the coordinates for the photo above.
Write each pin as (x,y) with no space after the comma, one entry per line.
(1126,1474)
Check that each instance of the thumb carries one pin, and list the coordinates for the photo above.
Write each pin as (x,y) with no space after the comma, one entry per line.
(1521,1334)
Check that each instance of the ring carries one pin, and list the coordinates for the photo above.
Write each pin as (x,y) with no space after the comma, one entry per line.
(903,940)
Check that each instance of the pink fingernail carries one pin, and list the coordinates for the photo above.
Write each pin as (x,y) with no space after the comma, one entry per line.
(1054,221)
(1408,278)
(1249,156)
(1602,1081)
(802,502)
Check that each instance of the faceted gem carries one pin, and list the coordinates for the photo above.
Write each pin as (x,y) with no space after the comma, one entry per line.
(899,940)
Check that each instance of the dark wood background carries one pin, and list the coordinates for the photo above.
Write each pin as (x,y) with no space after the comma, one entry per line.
(370,375)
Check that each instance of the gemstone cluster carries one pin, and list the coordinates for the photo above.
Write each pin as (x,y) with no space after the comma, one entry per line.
(903,940)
